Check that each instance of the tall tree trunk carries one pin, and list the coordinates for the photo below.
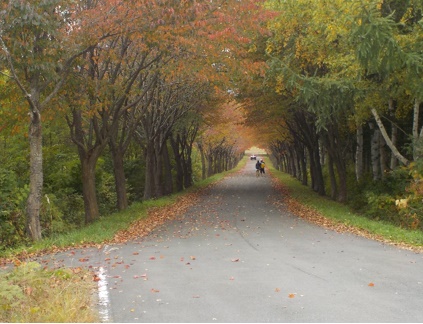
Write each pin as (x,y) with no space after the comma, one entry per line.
(388,141)
(33,203)
(210,164)
(167,169)
(416,113)
(158,170)
(178,163)
(88,163)
(333,184)
(120,179)
(394,133)
(375,152)
(359,153)
(203,160)
(149,172)
(303,156)
(383,157)
(187,166)
(318,183)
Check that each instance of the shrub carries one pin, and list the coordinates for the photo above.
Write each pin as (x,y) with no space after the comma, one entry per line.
(12,209)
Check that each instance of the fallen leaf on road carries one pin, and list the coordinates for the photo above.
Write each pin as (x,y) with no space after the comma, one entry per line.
(371,284)
(154,290)
(96,278)
(83,259)
(277,289)
(235,260)
(291,295)
(192,257)
(135,253)
(153,258)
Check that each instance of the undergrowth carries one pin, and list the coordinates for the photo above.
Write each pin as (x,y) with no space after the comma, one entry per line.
(343,214)
(32,294)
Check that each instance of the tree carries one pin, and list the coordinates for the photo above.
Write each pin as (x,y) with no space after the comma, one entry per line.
(38,60)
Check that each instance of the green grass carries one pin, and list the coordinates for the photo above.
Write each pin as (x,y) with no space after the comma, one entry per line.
(30,294)
(107,226)
(342,214)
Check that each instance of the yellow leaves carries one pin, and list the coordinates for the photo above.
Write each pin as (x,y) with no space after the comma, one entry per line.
(269,48)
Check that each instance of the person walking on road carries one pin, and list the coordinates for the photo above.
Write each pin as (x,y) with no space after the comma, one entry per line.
(258,167)
(262,166)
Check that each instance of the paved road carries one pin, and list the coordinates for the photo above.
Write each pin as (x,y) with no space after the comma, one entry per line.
(235,257)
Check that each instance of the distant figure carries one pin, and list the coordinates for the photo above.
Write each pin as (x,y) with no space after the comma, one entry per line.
(262,166)
(258,168)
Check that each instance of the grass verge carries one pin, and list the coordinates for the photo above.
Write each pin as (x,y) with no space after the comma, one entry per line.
(105,228)
(31,294)
(341,214)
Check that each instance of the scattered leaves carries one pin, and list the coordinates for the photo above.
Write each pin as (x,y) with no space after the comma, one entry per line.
(156,217)
(315,217)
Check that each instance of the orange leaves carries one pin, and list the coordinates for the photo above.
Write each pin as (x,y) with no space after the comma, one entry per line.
(156,217)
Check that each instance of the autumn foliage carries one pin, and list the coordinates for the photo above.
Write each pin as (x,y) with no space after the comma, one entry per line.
(121,76)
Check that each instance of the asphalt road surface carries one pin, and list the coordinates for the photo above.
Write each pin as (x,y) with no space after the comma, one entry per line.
(234,257)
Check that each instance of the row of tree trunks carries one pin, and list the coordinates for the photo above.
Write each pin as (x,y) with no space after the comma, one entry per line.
(218,157)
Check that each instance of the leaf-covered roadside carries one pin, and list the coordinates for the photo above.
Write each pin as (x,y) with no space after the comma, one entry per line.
(156,217)
(341,226)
